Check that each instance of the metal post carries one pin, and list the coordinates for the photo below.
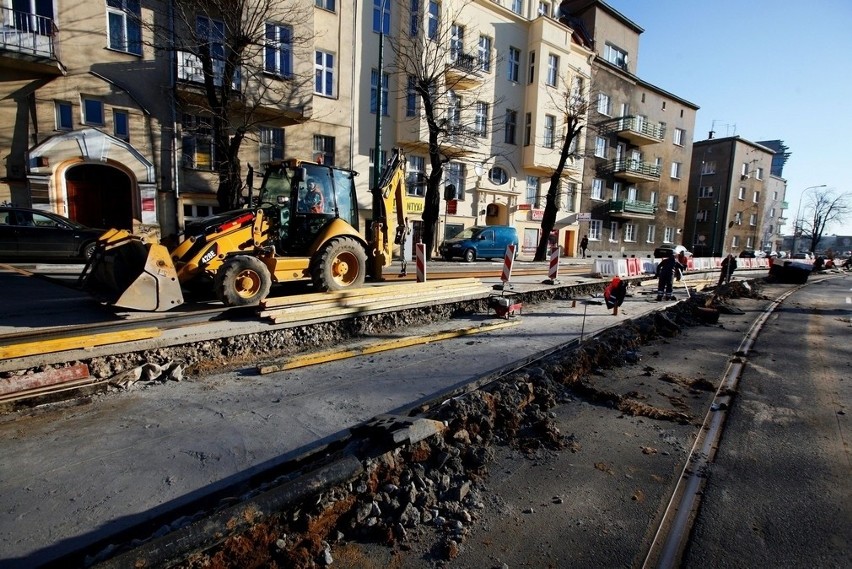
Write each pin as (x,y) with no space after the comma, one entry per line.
(377,161)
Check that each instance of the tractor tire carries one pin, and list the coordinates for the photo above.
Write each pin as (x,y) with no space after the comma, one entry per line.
(242,281)
(340,264)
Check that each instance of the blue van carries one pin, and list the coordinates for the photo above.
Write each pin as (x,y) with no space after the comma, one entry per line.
(480,242)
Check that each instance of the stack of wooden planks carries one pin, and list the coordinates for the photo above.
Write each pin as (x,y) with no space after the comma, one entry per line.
(369,300)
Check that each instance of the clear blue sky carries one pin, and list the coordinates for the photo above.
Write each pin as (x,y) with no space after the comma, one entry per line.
(763,70)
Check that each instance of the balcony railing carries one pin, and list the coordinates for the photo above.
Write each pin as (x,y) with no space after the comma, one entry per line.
(189,69)
(27,33)
(637,129)
(631,169)
(632,207)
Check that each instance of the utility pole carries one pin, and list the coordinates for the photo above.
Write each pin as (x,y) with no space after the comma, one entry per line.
(377,160)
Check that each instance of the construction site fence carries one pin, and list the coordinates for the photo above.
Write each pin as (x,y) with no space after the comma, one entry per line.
(634,267)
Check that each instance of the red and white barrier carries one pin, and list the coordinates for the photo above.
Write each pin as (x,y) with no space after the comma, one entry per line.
(508,261)
(420,249)
(553,271)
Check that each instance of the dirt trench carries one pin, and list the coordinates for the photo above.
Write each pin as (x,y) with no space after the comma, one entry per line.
(435,490)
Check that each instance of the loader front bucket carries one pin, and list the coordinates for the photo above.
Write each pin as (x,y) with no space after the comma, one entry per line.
(130,273)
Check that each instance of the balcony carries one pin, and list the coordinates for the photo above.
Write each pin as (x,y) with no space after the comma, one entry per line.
(631,170)
(28,42)
(635,129)
(632,209)
(462,71)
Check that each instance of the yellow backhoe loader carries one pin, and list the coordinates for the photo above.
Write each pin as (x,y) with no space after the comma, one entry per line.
(304,227)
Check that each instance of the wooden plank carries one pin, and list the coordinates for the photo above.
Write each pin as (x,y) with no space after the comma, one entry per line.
(76,342)
(18,383)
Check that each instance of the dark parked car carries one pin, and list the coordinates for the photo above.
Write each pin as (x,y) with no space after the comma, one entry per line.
(747,254)
(31,234)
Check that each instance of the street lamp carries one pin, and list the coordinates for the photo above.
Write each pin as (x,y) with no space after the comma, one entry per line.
(377,160)
(797,228)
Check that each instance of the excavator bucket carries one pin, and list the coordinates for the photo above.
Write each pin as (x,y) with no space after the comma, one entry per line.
(126,271)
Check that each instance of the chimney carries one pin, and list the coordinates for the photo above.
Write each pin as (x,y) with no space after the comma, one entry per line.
(710,136)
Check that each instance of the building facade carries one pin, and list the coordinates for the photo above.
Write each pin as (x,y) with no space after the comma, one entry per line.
(731,194)
(639,144)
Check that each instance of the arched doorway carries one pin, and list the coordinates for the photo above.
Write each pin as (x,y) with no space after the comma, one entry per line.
(99,196)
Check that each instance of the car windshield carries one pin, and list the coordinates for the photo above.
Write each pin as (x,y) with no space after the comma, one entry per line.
(469,233)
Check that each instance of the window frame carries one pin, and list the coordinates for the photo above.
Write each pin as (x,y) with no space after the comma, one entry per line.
(597,190)
(269,147)
(414,173)
(513,66)
(552,70)
(480,124)
(651,234)
(549,139)
(483,52)
(600,146)
(64,110)
(374,77)
(130,19)
(533,185)
(527,128)
(678,136)
(595,229)
(433,20)
(510,127)
(676,170)
(326,5)
(86,111)
(411,106)
(196,137)
(324,84)
(381,16)
(278,50)
(321,143)
(613,232)
(604,106)
(116,121)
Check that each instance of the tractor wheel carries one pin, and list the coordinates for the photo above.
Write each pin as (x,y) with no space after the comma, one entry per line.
(242,281)
(341,264)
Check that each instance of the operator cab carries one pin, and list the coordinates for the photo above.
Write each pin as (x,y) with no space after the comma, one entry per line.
(302,198)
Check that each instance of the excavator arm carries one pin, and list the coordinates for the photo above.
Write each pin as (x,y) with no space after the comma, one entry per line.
(389,213)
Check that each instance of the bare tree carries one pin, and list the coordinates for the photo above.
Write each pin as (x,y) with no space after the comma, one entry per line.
(572,103)
(430,59)
(827,206)
(245,56)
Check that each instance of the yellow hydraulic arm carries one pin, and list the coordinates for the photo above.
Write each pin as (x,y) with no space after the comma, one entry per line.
(388,197)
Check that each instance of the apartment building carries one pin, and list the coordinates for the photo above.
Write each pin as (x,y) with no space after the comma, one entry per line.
(106,118)
(774,213)
(639,143)
(731,195)
(501,69)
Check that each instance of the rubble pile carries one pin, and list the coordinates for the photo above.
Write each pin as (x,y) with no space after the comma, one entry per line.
(429,494)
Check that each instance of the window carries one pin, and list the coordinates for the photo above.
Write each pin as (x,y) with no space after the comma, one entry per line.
(600,147)
(679,136)
(663,106)
(703,215)
(63,116)
(671,203)
(278,51)
(456,173)
(774,196)
(527,128)
(595,229)
(741,194)
(658,163)
(708,168)
(454,111)
(514,64)
(570,193)
(532,189)
(271,144)
(324,149)
(615,55)
(604,104)
(630,232)
(752,219)
(738,218)
(124,26)
(197,142)
(597,189)
(735,241)
(434,18)
(653,197)
(544,8)
(632,194)
(676,170)
(772,213)
(511,126)
(705,192)
(374,79)
(121,124)
(214,32)
(411,97)
(531,78)
(414,18)
(756,197)
(549,130)
(93,112)
(552,69)
(577,89)
(480,125)
(613,232)
(749,242)
(197,211)
(325,4)
(668,235)
(517,6)
(744,170)
(651,235)
(484,53)
(324,73)
(381,16)
(415,176)
(456,41)
(498,176)
(616,190)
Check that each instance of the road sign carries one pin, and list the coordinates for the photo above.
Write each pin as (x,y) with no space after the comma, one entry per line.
(584,217)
